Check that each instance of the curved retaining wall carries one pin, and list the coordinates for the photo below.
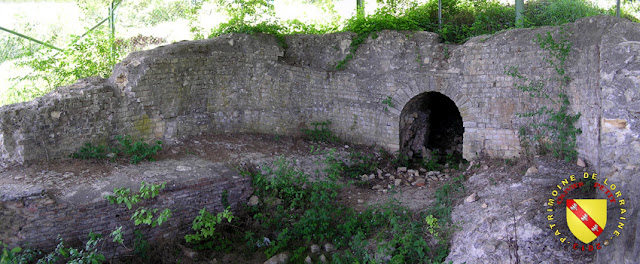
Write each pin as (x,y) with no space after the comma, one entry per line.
(248,83)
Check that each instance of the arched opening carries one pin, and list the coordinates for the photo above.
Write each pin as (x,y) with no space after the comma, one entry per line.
(431,127)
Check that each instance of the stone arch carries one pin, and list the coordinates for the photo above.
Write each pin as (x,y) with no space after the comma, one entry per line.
(422,84)
(430,122)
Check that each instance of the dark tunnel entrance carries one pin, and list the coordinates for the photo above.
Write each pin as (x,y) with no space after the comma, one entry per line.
(431,126)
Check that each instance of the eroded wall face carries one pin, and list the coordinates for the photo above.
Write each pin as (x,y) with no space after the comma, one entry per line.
(39,219)
(242,83)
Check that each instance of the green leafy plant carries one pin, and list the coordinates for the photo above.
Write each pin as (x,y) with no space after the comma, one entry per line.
(430,163)
(388,103)
(89,254)
(205,227)
(142,215)
(134,150)
(553,127)
(137,150)
(85,57)
(141,246)
(90,151)
(360,164)
(320,132)
(309,211)
(400,160)
(16,255)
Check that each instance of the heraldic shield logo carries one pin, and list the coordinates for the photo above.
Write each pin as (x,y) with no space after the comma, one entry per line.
(586,218)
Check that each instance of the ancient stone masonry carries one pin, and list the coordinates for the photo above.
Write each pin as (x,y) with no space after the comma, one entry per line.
(37,217)
(248,83)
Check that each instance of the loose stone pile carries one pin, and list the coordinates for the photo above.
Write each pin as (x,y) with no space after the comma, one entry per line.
(404,177)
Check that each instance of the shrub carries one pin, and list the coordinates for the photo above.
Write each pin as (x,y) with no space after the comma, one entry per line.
(134,150)
(558,12)
(205,227)
(320,132)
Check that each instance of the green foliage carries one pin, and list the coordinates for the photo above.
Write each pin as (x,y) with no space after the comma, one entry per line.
(205,227)
(134,150)
(89,254)
(137,150)
(117,235)
(85,57)
(309,211)
(430,164)
(554,127)
(16,255)
(141,246)
(320,132)
(358,164)
(142,215)
(90,151)
(557,12)
(432,224)
(400,160)
(444,198)
(388,103)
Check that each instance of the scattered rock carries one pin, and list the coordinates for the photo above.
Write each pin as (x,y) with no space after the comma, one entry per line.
(308,260)
(371,176)
(397,182)
(377,187)
(581,163)
(484,205)
(419,182)
(423,170)
(531,170)
(360,201)
(328,247)
(346,146)
(281,258)
(273,201)
(433,173)
(379,171)
(253,201)
(315,249)
(187,252)
(393,178)
(410,172)
(183,168)
(471,198)
(323,259)
(402,169)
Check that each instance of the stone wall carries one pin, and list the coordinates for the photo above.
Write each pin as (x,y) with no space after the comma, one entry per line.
(40,218)
(248,83)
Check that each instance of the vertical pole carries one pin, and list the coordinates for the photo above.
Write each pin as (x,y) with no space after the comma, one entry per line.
(440,14)
(519,10)
(360,8)
(112,29)
(618,8)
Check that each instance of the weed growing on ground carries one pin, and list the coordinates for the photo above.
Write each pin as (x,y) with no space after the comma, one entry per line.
(320,132)
(205,225)
(295,211)
(359,164)
(134,150)
(16,255)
